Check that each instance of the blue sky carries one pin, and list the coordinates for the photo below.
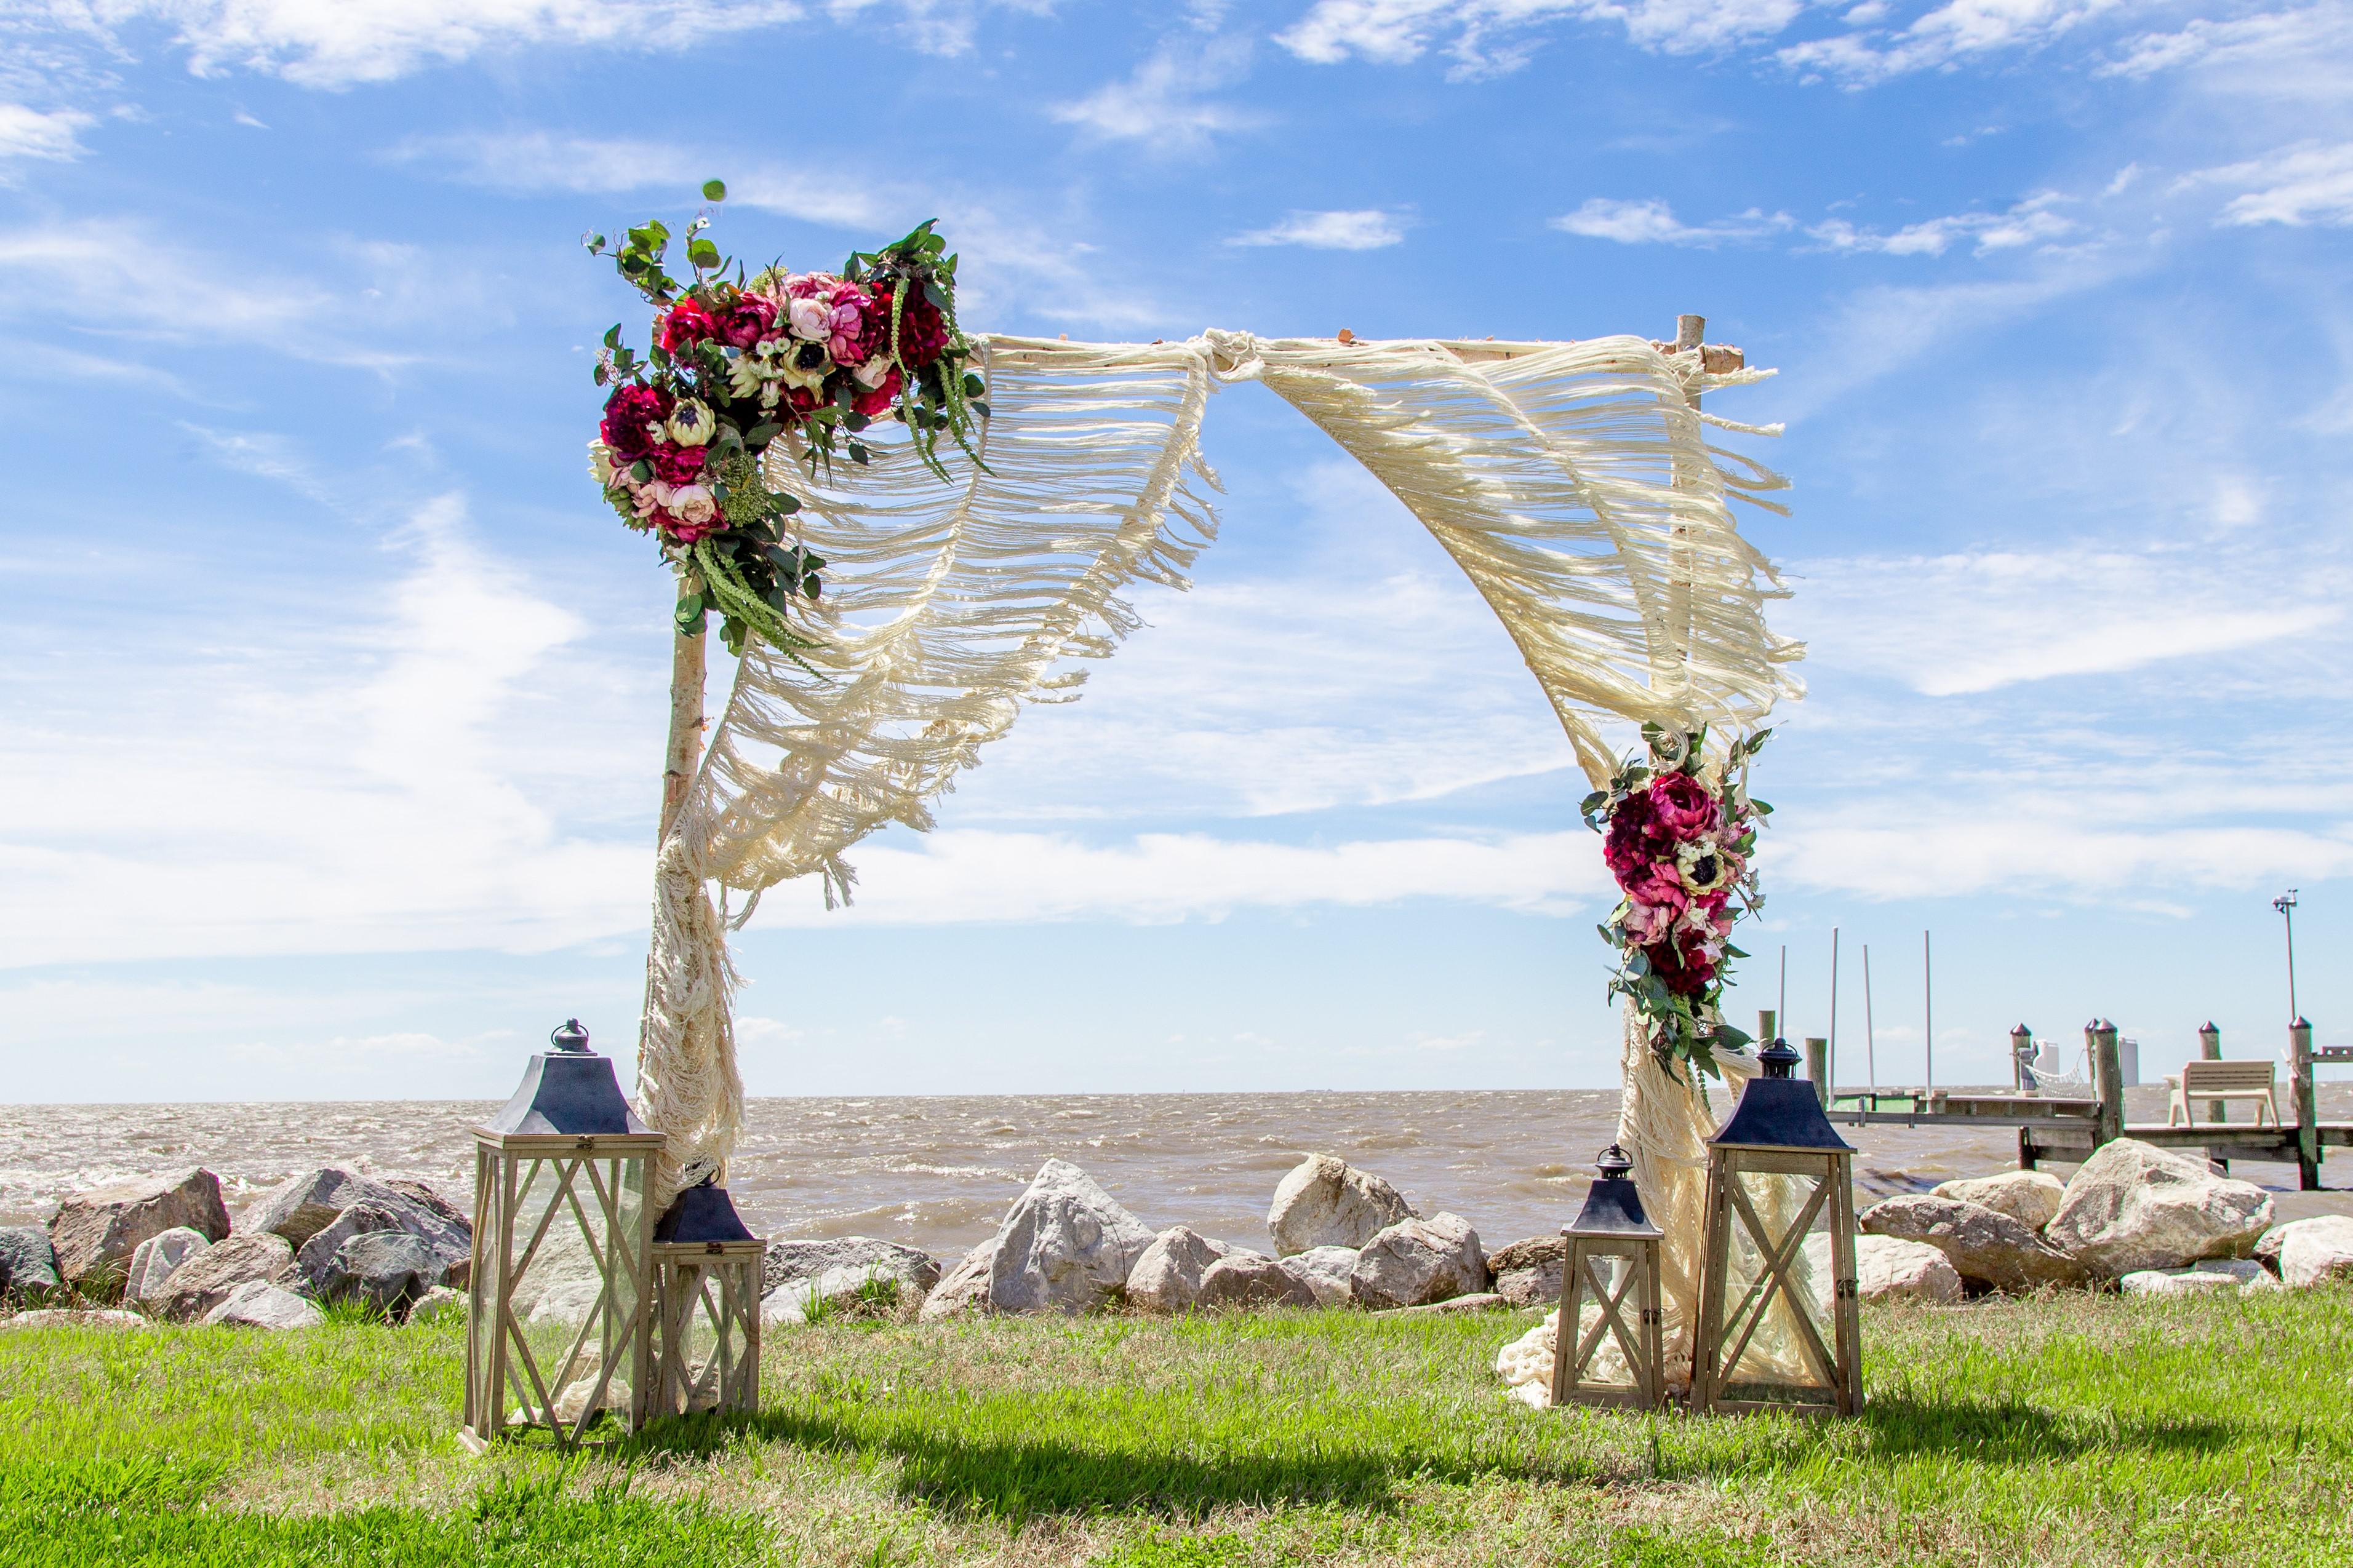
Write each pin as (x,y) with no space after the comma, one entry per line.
(334,697)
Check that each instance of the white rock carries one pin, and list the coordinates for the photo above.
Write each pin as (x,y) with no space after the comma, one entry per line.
(1167,1276)
(1417,1261)
(95,1232)
(438,1305)
(151,1264)
(1528,1273)
(256,1305)
(2133,1206)
(567,1302)
(1065,1245)
(205,1280)
(1253,1279)
(1889,1268)
(2312,1251)
(1326,1271)
(2175,1282)
(2249,1274)
(1326,1202)
(74,1318)
(792,1258)
(844,1289)
(964,1288)
(2029,1197)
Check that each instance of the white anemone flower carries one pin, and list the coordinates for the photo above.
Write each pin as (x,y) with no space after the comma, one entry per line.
(1703,865)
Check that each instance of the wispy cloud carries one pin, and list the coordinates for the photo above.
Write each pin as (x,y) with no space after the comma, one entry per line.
(1362,230)
(2296,187)
(1951,34)
(1653,222)
(31,133)
(1488,37)
(1166,105)
(2035,221)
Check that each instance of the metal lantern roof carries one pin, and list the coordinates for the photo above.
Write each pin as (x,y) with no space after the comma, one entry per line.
(569,1090)
(1777,1111)
(701,1215)
(1613,1206)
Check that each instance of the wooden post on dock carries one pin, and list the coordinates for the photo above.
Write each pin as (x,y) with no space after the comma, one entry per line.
(1818,1066)
(2209,1048)
(2307,1104)
(2107,1080)
(2022,1047)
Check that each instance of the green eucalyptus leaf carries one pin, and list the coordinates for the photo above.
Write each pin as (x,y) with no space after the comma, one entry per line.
(714,190)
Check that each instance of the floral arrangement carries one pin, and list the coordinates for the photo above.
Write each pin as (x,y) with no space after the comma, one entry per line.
(1677,831)
(738,362)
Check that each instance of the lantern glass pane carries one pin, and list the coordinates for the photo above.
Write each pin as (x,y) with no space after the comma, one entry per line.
(1605,1365)
(701,1334)
(1772,1307)
(578,1224)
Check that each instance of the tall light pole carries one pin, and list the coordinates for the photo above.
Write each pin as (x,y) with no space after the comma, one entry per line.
(2286,905)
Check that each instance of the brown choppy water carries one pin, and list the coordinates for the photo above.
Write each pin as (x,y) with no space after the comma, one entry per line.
(937,1173)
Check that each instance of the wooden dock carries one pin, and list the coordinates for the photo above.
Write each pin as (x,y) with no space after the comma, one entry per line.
(2053,1127)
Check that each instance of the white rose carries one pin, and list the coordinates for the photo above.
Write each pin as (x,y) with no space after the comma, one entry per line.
(870,375)
(694,503)
(600,464)
(811,319)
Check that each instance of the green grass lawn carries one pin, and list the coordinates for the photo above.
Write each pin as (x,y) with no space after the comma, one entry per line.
(2070,1429)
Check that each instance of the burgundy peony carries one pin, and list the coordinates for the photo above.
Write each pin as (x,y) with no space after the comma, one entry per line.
(1684,976)
(1684,806)
(685,324)
(923,331)
(675,465)
(747,320)
(878,401)
(628,413)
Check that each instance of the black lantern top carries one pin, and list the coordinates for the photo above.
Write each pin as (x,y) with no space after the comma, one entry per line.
(1613,1206)
(1778,1111)
(700,1215)
(570,1090)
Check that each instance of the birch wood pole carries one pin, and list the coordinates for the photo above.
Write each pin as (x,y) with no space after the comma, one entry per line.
(688,659)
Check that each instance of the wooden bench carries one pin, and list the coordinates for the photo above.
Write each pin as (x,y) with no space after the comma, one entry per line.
(2219,1081)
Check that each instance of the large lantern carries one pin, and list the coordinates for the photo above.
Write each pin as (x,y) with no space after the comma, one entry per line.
(1772,1335)
(558,1331)
(707,1268)
(1613,1259)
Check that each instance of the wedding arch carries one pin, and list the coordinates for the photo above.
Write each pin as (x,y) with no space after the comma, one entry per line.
(1575,484)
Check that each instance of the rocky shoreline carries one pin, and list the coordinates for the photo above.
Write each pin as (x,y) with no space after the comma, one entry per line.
(165,1250)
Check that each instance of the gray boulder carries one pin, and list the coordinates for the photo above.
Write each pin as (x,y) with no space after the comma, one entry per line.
(787,1262)
(204,1281)
(1242,1280)
(964,1288)
(28,1264)
(2029,1197)
(96,1232)
(387,1269)
(1528,1273)
(2312,1251)
(1326,1202)
(1167,1276)
(1417,1261)
(2134,1207)
(451,1249)
(432,1197)
(151,1265)
(1985,1244)
(1327,1272)
(300,1207)
(1889,1268)
(1065,1245)
(254,1305)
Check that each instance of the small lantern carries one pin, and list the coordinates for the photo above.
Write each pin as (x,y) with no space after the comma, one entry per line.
(1772,1336)
(706,1346)
(1617,1360)
(558,1327)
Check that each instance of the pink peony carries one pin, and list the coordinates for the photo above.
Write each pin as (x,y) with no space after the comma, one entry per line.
(686,323)
(747,320)
(676,465)
(811,318)
(1685,809)
(1646,923)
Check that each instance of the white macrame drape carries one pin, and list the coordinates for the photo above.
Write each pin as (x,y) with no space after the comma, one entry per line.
(1573,483)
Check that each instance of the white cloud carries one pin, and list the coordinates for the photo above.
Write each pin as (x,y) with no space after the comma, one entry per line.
(528,160)
(2296,186)
(963,875)
(1952,625)
(1957,31)
(1652,222)
(1489,37)
(2298,52)
(1164,105)
(2030,222)
(27,133)
(2058,841)
(1362,230)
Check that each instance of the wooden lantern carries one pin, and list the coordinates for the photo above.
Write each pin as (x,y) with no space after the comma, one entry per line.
(1613,1254)
(558,1333)
(706,1311)
(1770,1335)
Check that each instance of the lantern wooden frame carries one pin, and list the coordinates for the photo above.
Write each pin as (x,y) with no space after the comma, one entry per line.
(706,1287)
(568,1146)
(1778,1130)
(1611,1227)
